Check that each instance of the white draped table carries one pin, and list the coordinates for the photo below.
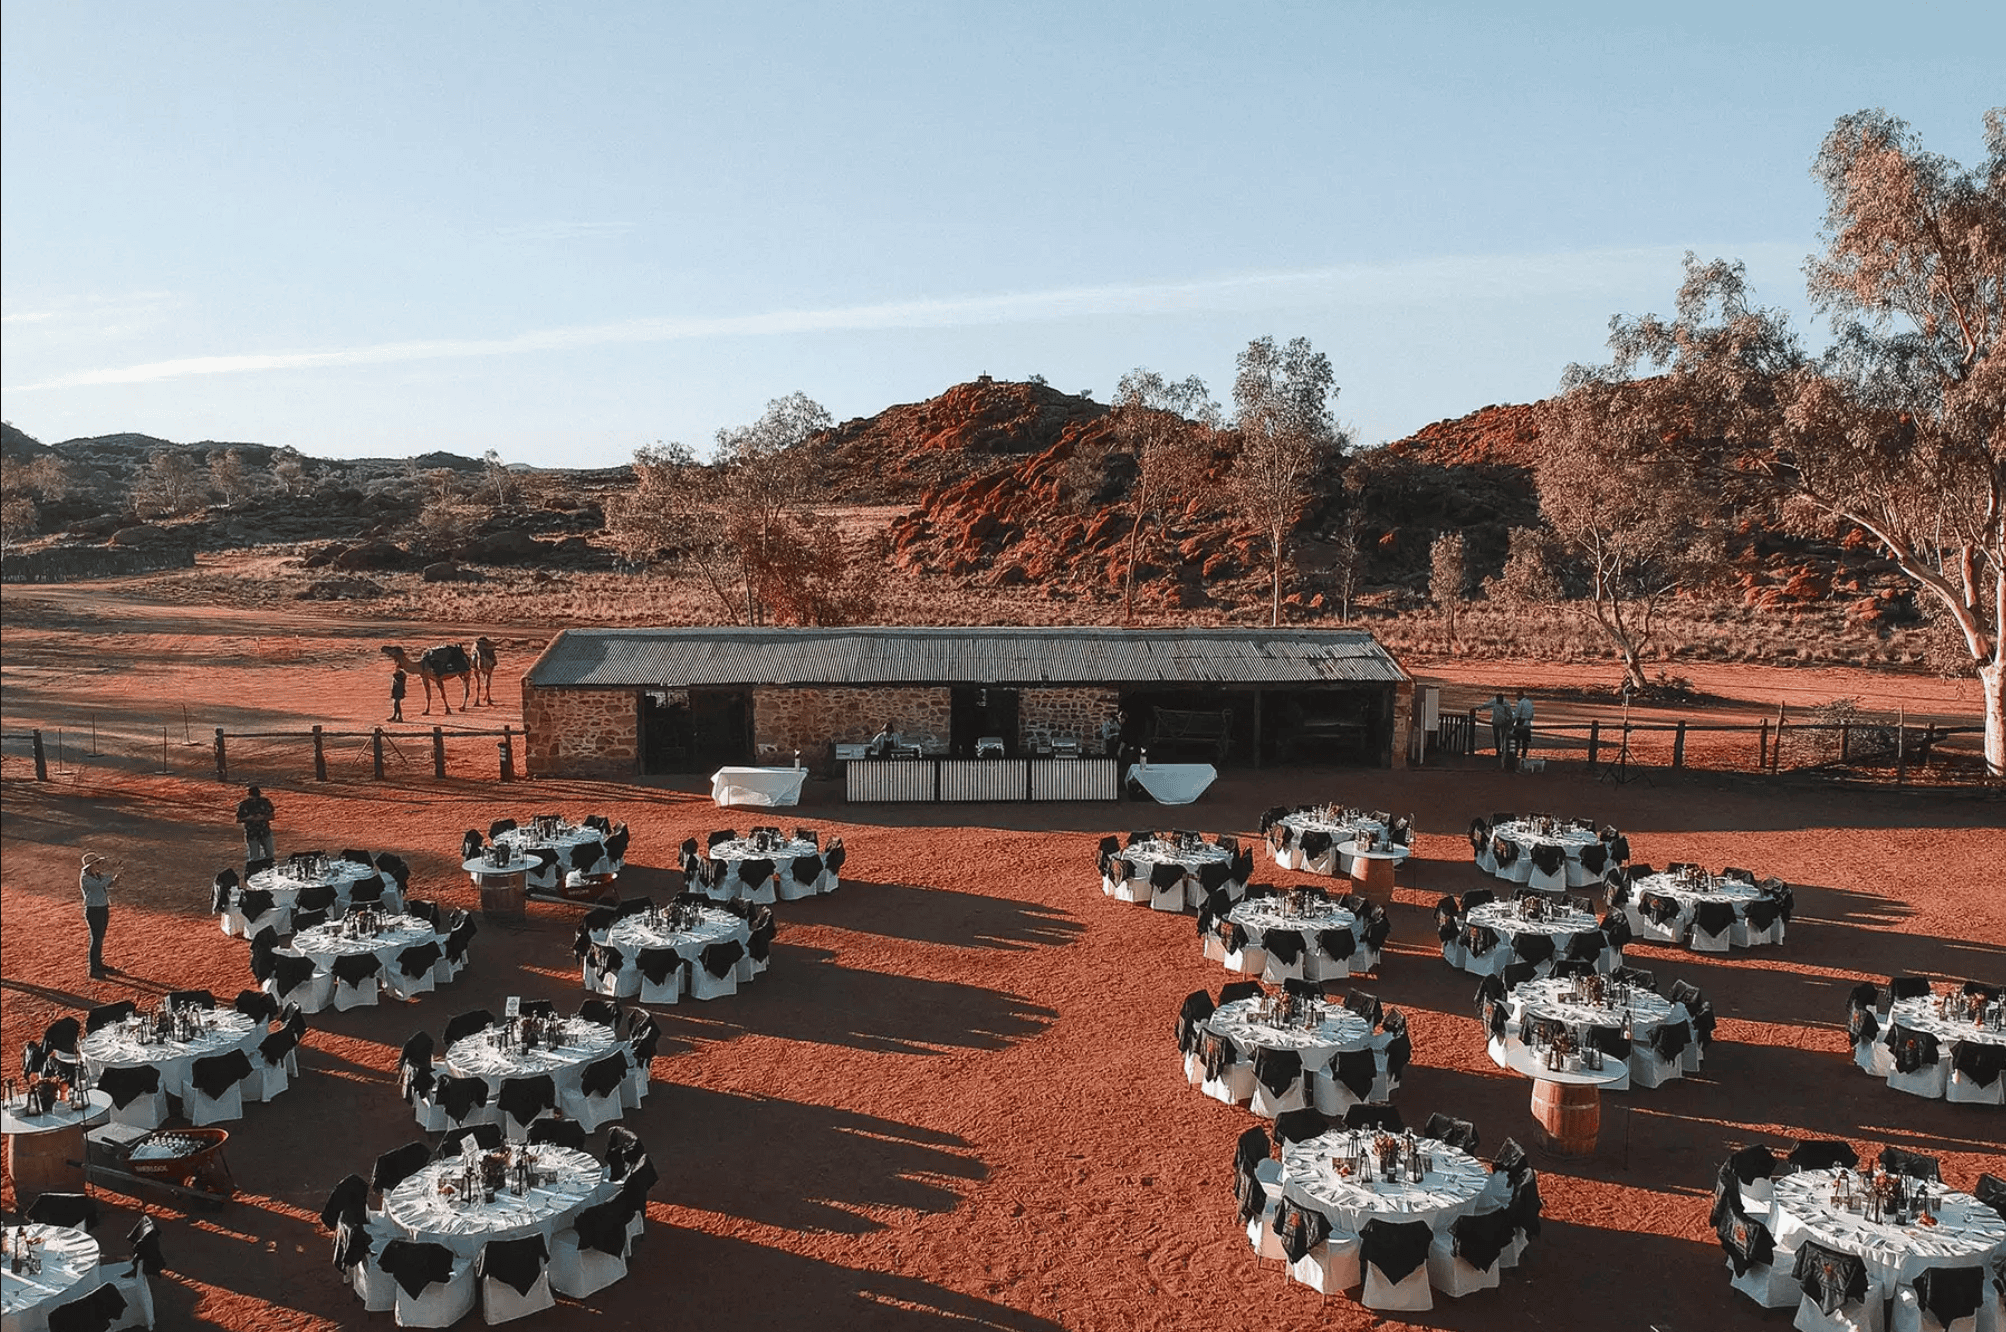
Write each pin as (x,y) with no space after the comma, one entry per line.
(1503,919)
(340,875)
(631,934)
(118,1045)
(1144,856)
(1333,1031)
(1967,1232)
(1448,1189)
(782,854)
(69,1271)
(484,1055)
(1689,896)
(325,943)
(420,1212)
(765,787)
(1340,832)
(1173,783)
(1526,835)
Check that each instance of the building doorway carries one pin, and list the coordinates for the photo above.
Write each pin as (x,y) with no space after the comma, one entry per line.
(721,728)
(978,711)
(667,735)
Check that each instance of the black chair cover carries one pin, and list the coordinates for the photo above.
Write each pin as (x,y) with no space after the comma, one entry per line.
(1669,1040)
(1831,1279)
(460,1097)
(1479,1239)
(256,1005)
(603,1228)
(397,1165)
(1298,1125)
(1314,843)
(488,1137)
(1991,1190)
(1356,1070)
(1478,940)
(466,1024)
(78,1211)
(721,957)
(1908,987)
(418,959)
(355,968)
(276,1047)
(1594,858)
(1234,991)
(1913,1050)
(558,1133)
(516,1263)
(90,1313)
(1277,1070)
(1196,1008)
(1610,1041)
(1510,1160)
(1337,944)
(126,1083)
(1752,1163)
(1911,1165)
(1525,1203)
(191,999)
(1300,1229)
(1823,1154)
(1385,1118)
(1659,909)
(1747,1242)
(754,872)
(1516,974)
(106,1014)
(1396,1248)
(523,1099)
(1616,929)
(1547,857)
(1950,1293)
(1285,946)
(1713,917)
(1399,1051)
(1978,1061)
(1761,913)
(603,1076)
(218,1073)
(1365,1005)
(414,1265)
(1456,1132)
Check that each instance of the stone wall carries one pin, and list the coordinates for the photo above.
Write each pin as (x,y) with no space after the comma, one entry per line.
(63,564)
(811,719)
(1076,712)
(1404,735)
(580,732)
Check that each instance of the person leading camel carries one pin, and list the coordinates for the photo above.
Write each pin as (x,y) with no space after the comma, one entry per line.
(397,696)
(435,666)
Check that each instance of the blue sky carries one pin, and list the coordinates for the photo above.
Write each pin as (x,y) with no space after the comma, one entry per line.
(564,231)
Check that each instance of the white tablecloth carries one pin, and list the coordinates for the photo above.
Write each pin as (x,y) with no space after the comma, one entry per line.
(1967,1231)
(1258,915)
(1920,1015)
(14,1119)
(783,857)
(1735,893)
(631,934)
(325,943)
(1336,1031)
(1173,783)
(1340,832)
(481,1056)
(1526,836)
(1542,999)
(1145,854)
(69,1269)
(416,1208)
(118,1046)
(757,786)
(525,843)
(1348,1201)
(340,875)
(1503,917)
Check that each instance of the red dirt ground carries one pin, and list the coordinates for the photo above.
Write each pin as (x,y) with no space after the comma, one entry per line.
(954,1100)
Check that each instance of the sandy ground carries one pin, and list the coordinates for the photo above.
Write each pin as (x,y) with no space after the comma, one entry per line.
(954,1100)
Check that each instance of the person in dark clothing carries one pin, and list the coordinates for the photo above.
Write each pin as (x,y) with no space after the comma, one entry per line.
(97,881)
(1502,725)
(256,814)
(397,696)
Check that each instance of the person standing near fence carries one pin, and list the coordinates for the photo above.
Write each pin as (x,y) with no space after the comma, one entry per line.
(97,885)
(256,814)
(397,696)
(1501,729)
(1521,734)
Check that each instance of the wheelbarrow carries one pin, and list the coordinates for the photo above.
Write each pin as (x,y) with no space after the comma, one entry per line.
(185,1162)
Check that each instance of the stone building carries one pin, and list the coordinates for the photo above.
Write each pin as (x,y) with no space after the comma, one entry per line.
(629,702)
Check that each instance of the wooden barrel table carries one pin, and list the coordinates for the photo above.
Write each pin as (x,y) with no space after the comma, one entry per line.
(45,1153)
(504,888)
(1571,1114)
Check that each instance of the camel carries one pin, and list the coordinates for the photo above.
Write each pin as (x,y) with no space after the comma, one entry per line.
(484,671)
(436,666)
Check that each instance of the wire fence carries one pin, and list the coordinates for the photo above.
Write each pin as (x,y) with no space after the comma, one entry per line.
(317,753)
(1871,748)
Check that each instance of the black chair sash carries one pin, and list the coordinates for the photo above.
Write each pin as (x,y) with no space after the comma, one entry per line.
(1950,1293)
(1746,1241)
(1547,857)
(1314,843)
(463,1025)
(1908,987)
(1479,1239)
(658,964)
(355,968)
(127,1083)
(719,958)
(1234,991)
(1991,1190)
(397,1165)
(602,1077)
(1831,1279)
(90,1313)
(1532,946)
(1911,1165)
(1659,909)
(558,1133)
(1594,858)
(460,1097)
(1978,1061)
(347,1202)
(1196,1008)
(1761,913)
(191,999)
(1456,1132)
(603,1229)
(1217,1054)
(1384,1118)
(1713,917)
(414,1265)
(1396,1248)
(1365,1005)
(1526,1204)
(1356,1070)
(1285,946)
(288,972)
(754,872)
(1823,1154)
(487,1137)
(1299,1125)
(1478,940)
(418,959)
(106,1014)
(1277,1070)
(523,1099)
(215,1075)
(78,1211)
(1752,1163)
(517,1263)
(1504,851)
(1300,1229)
(275,1048)
(1609,1040)
(1670,1039)
(1510,1160)
(1913,1050)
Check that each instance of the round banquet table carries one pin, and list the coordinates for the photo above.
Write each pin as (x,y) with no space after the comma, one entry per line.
(630,934)
(1336,1031)
(69,1269)
(481,1056)
(1156,852)
(325,943)
(1447,1191)
(416,1208)
(1341,833)
(1258,915)
(1920,1015)
(340,875)
(1546,999)
(504,888)
(1503,918)
(523,840)
(1526,836)
(1733,893)
(740,849)
(1567,1103)
(41,1147)
(118,1046)
(1967,1232)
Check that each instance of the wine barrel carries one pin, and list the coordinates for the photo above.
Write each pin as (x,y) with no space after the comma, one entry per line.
(1571,1114)
(502,896)
(42,1162)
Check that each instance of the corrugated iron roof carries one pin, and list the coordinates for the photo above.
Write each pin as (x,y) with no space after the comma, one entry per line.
(739,656)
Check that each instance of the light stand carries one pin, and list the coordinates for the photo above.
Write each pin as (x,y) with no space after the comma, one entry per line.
(1618,773)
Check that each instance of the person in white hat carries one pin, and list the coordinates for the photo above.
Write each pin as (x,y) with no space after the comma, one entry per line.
(97,881)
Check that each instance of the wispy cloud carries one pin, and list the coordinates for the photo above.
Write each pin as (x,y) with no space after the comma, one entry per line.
(556,231)
(1419,282)
(92,316)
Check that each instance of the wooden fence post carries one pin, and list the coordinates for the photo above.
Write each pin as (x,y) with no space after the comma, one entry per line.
(41,760)
(507,754)
(438,751)
(1776,751)
(222,760)
(1679,745)
(1845,743)
(1594,739)
(319,755)
(1762,747)
(376,741)
(1901,746)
